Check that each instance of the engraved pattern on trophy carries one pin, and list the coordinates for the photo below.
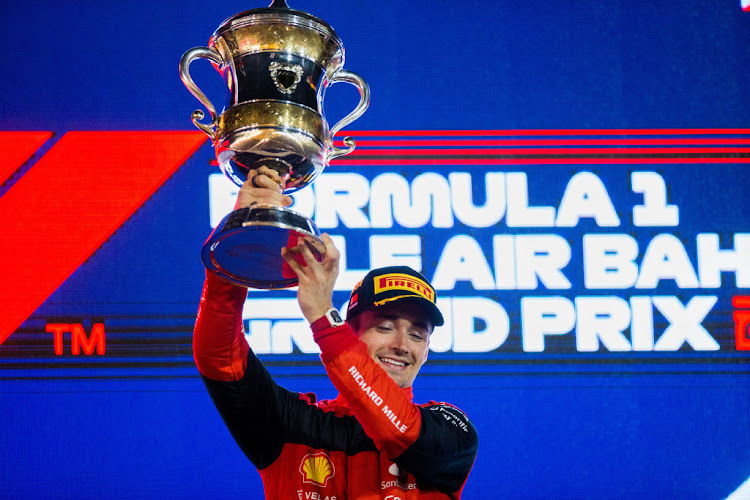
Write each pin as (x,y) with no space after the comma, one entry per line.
(285,77)
(276,63)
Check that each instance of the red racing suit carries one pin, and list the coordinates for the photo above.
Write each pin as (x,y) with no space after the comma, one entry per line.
(371,442)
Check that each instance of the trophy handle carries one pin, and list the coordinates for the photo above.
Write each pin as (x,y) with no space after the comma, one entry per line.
(364,102)
(187,58)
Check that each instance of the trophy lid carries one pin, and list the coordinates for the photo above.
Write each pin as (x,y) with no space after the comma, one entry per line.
(277,12)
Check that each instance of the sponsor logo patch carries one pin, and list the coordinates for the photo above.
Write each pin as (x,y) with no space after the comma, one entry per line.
(398,281)
(316,468)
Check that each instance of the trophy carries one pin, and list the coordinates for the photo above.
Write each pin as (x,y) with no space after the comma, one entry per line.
(276,63)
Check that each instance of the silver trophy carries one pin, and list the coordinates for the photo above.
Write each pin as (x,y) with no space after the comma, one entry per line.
(276,63)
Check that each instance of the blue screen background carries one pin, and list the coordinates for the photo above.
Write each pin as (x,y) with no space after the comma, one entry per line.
(137,423)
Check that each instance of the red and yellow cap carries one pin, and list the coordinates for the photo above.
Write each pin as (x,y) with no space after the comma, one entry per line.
(391,284)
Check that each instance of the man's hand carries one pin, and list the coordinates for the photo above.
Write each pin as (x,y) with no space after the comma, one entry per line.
(262,186)
(316,279)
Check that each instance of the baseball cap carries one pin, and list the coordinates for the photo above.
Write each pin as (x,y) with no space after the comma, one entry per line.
(387,285)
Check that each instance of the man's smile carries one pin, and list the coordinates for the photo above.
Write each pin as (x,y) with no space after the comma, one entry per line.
(393,362)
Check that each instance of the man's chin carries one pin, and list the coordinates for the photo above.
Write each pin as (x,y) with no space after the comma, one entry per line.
(400,378)
(395,374)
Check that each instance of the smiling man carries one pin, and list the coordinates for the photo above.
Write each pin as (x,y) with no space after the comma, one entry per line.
(372,441)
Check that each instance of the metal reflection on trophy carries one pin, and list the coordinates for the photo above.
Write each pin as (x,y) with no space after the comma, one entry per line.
(276,63)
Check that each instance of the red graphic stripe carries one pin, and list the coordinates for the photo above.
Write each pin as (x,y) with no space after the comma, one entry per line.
(396,142)
(544,132)
(16,148)
(70,202)
(741,302)
(346,161)
(545,151)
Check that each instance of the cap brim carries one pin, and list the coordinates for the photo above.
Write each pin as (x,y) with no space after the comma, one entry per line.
(436,317)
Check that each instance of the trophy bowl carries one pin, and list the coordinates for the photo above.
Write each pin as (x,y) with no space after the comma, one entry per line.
(276,63)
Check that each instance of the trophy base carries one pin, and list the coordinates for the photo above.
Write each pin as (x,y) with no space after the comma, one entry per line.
(245,248)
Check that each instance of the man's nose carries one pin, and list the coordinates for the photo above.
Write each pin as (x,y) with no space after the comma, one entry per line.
(398,341)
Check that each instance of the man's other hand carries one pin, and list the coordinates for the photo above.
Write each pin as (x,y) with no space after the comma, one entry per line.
(316,279)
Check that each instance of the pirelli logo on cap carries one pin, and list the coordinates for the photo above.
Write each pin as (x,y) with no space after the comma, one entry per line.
(398,281)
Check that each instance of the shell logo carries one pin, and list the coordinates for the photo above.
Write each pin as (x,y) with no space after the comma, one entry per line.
(316,468)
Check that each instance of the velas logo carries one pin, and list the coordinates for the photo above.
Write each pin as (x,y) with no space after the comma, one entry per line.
(317,469)
(398,281)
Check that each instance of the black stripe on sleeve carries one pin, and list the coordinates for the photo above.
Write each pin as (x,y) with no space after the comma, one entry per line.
(443,454)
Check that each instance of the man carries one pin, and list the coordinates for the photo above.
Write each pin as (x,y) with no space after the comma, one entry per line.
(372,441)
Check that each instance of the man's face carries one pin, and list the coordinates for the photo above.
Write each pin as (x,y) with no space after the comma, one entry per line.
(397,338)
